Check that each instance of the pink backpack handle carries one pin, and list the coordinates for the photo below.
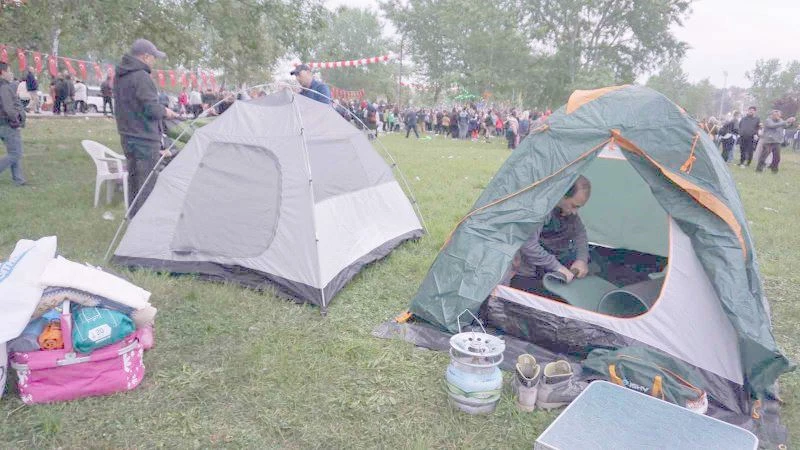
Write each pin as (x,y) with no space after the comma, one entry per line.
(66,327)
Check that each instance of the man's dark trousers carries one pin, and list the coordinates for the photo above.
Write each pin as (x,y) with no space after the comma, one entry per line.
(107,101)
(142,156)
(746,148)
(775,150)
(13,141)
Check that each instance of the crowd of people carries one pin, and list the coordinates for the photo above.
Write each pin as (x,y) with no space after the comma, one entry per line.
(756,139)
(468,122)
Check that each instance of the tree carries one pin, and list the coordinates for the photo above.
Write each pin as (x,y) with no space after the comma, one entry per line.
(671,81)
(699,101)
(772,82)
(243,38)
(623,38)
(350,34)
(486,55)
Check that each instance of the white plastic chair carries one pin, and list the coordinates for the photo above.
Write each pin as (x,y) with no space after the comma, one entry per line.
(110,167)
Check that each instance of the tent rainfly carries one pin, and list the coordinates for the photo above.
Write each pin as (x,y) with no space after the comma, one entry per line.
(660,189)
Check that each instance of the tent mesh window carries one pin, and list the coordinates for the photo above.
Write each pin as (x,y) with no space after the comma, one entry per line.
(341,166)
(233,203)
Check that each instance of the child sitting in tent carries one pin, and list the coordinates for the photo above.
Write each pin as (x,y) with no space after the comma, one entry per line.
(560,245)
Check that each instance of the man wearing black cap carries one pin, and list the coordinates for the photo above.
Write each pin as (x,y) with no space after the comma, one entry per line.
(314,89)
(139,116)
(12,118)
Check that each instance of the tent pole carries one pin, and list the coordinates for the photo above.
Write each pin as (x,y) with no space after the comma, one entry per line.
(306,158)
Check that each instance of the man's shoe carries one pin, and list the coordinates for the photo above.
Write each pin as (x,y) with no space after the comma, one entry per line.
(526,382)
(774,169)
(558,387)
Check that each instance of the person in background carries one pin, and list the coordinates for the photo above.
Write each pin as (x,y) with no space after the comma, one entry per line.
(183,101)
(512,130)
(139,117)
(498,126)
(58,93)
(727,135)
(748,130)
(81,95)
(32,85)
(463,123)
(411,122)
(196,102)
(107,92)
(524,126)
(22,93)
(772,139)
(68,91)
(558,245)
(314,89)
(445,124)
(12,118)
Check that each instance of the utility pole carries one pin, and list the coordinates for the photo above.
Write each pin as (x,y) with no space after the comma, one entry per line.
(400,74)
(724,94)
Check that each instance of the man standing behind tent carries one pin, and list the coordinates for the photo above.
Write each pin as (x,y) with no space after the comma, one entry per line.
(107,92)
(12,117)
(32,85)
(559,245)
(748,129)
(772,140)
(314,89)
(411,122)
(139,116)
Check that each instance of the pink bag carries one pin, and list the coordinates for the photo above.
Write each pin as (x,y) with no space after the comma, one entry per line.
(46,376)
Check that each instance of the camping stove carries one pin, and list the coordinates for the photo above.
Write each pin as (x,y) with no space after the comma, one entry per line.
(473,379)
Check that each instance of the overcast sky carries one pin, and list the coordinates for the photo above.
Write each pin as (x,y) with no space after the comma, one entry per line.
(724,35)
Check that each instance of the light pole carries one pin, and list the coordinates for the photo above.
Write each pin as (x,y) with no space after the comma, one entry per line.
(724,94)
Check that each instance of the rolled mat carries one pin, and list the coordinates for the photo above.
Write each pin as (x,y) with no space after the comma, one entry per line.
(631,300)
(596,294)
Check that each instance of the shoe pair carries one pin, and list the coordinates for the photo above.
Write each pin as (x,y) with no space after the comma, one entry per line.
(554,388)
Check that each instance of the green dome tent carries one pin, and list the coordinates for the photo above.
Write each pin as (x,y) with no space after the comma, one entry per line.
(660,188)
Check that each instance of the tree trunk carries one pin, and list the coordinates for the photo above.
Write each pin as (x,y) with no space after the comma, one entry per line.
(56,34)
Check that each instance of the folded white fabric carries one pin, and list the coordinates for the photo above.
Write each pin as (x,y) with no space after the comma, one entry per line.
(62,272)
(20,290)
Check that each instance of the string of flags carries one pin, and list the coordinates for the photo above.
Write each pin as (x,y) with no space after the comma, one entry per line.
(186,78)
(351,63)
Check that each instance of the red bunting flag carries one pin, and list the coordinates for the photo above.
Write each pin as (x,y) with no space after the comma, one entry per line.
(184,80)
(98,72)
(161,81)
(37,62)
(204,77)
(3,54)
(70,69)
(193,79)
(82,69)
(52,65)
(23,62)
(213,82)
(172,78)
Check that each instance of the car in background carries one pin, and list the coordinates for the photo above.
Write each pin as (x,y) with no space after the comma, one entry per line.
(94,99)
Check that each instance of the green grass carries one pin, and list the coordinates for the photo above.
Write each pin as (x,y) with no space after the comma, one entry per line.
(238,368)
